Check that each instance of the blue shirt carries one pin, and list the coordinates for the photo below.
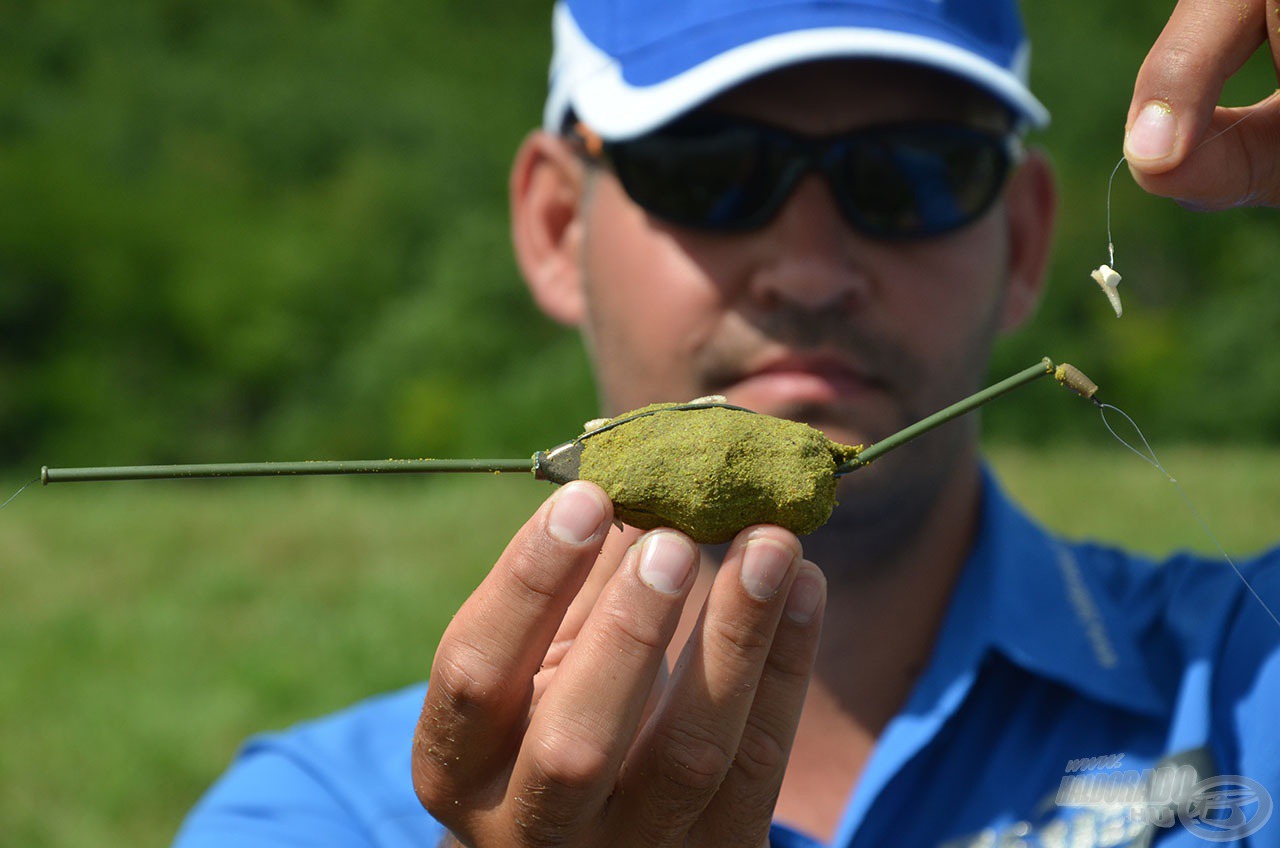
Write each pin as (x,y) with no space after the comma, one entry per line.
(1067,679)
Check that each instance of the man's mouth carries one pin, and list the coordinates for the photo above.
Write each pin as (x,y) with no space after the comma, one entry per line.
(791,380)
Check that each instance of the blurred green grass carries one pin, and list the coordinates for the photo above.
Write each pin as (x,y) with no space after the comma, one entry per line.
(146,630)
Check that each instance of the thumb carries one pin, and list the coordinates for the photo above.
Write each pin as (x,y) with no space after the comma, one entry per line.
(1236,163)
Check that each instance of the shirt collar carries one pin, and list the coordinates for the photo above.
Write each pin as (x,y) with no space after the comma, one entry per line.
(1047,611)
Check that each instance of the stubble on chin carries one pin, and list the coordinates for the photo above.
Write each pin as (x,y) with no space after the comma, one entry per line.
(883,508)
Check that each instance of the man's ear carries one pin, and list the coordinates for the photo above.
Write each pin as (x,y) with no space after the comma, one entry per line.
(547,196)
(1031,203)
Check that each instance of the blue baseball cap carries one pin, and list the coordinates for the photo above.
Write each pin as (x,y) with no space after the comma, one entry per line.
(625,67)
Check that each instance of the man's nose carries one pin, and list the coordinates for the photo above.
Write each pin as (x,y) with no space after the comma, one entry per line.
(810,256)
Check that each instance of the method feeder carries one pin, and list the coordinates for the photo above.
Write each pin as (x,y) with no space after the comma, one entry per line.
(707,467)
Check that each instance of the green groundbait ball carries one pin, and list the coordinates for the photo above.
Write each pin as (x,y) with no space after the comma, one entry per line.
(713,470)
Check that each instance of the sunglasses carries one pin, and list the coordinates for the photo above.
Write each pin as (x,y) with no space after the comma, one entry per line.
(895,181)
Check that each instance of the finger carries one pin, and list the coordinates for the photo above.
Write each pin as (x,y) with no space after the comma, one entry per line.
(616,545)
(1238,163)
(481,678)
(1272,25)
(588,716)
(684,752)
(1178,86)
(742,810)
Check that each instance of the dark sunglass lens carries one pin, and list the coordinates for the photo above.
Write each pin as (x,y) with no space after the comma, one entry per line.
(919,181)
(709,177)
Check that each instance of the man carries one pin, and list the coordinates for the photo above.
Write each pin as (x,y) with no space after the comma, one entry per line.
(821,211)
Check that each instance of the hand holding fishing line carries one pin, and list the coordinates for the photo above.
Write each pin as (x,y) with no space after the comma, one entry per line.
(1174,115)
(1174,109)
(1172,119)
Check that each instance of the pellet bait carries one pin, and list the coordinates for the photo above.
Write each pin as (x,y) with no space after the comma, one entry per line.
(1108,280)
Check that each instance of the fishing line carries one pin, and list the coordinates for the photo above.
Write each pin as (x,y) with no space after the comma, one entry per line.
(1151,459)
(1150,455)
(15,494)
(1111,246)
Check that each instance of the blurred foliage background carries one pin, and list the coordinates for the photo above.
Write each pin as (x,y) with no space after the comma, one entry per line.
(277,229)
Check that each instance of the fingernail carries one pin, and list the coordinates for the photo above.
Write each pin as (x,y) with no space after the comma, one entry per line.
(665,562)
(764,567)
(806,594)
(1153,134)
(576,514)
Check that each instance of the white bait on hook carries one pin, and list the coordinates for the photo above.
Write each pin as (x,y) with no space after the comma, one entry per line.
(1108,280)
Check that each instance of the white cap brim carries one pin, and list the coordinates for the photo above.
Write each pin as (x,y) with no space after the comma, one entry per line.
(591,83)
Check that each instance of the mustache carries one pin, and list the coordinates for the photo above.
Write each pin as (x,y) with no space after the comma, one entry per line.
(803,331)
